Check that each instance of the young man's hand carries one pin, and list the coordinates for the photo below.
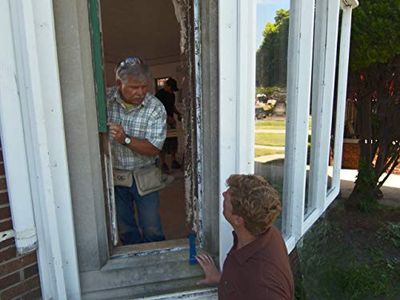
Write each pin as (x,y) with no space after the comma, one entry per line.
(213,275)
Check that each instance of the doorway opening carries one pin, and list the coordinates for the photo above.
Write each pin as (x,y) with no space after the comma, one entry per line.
(161,33)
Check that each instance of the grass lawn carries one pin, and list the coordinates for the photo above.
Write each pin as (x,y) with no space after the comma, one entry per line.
(271,124)
(350,255)
(264,152)
(270,139)
(275,123)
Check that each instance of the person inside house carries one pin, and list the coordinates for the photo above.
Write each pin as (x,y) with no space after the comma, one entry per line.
(257,266)
(167,97)
(137,130)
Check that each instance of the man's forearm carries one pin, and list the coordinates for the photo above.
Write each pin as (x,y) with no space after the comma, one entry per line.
(143,147)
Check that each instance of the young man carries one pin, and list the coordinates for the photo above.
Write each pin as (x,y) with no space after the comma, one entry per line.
(167,97)
(137,128)
(257,266)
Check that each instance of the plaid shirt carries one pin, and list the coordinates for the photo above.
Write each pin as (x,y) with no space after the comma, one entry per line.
(145,121)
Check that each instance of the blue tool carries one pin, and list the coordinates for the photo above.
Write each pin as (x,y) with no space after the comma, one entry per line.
(192,248)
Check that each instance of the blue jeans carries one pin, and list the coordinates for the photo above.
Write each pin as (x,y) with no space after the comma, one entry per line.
(149,228)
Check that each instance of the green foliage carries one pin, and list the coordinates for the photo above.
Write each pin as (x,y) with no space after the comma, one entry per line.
(270,90)
(272,55)
(275,92)
(374,84)
(363,196)
(393,233)
(280,19)
(375,33)
(333,264)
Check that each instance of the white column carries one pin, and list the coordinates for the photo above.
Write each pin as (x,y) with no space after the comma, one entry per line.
(298,103)
(324,83)
(237,92)
(342,91)
(13,141)
(38,74)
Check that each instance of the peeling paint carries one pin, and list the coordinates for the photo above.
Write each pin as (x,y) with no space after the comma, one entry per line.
(181,7)
(112,212)
(198,96)
(150,252)
(187,14)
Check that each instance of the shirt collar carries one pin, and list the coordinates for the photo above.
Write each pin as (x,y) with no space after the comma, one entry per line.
(246,252)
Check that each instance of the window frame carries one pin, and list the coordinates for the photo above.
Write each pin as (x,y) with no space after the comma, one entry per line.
(323,46)
(306,55)
(99,79)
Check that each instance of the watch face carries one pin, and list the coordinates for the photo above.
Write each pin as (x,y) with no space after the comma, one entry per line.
(127,140)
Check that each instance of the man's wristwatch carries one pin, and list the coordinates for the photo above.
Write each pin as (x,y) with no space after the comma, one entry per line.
(127,140)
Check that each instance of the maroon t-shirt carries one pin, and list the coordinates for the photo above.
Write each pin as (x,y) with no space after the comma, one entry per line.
(259,270)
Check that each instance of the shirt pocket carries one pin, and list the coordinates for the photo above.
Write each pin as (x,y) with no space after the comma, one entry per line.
(135,129)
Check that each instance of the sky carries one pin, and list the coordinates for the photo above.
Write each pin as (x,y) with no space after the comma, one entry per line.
(266,13)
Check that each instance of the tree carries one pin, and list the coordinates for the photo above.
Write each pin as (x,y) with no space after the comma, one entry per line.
(374,86)
(271,57)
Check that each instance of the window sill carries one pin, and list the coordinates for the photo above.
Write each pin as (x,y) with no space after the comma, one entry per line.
(133,256)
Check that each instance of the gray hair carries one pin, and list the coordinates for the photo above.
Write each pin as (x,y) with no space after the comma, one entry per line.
(137,71)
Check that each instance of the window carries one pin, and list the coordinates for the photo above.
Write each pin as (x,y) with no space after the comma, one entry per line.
(271,93)
(312,142)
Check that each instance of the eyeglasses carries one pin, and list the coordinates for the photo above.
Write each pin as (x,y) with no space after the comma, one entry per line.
(129,61)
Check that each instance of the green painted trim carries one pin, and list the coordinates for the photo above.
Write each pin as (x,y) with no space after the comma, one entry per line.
(97,57)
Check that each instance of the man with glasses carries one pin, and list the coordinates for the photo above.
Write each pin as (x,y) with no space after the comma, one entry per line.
(137,127)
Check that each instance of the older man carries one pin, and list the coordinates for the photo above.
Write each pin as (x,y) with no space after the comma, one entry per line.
(257,266)
(137,127)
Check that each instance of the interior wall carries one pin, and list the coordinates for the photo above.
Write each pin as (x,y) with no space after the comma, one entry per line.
(145,28)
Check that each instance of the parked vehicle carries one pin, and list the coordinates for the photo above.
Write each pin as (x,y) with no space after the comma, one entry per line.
(264,109)
(260,113)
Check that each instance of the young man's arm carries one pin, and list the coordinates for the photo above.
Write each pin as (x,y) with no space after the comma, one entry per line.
(177,112)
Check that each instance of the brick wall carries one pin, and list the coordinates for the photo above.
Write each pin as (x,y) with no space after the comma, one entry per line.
(351,152)
(19,278)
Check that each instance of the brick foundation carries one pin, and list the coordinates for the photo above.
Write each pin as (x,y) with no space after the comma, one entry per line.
(19,278)
(351,153)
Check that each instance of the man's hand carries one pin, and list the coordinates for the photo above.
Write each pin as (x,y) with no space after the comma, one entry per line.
(213,275)
(117,132)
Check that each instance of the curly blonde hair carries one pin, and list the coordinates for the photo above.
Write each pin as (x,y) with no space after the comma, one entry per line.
(255,200)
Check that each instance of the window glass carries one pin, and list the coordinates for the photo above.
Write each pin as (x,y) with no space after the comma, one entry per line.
(271,92)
